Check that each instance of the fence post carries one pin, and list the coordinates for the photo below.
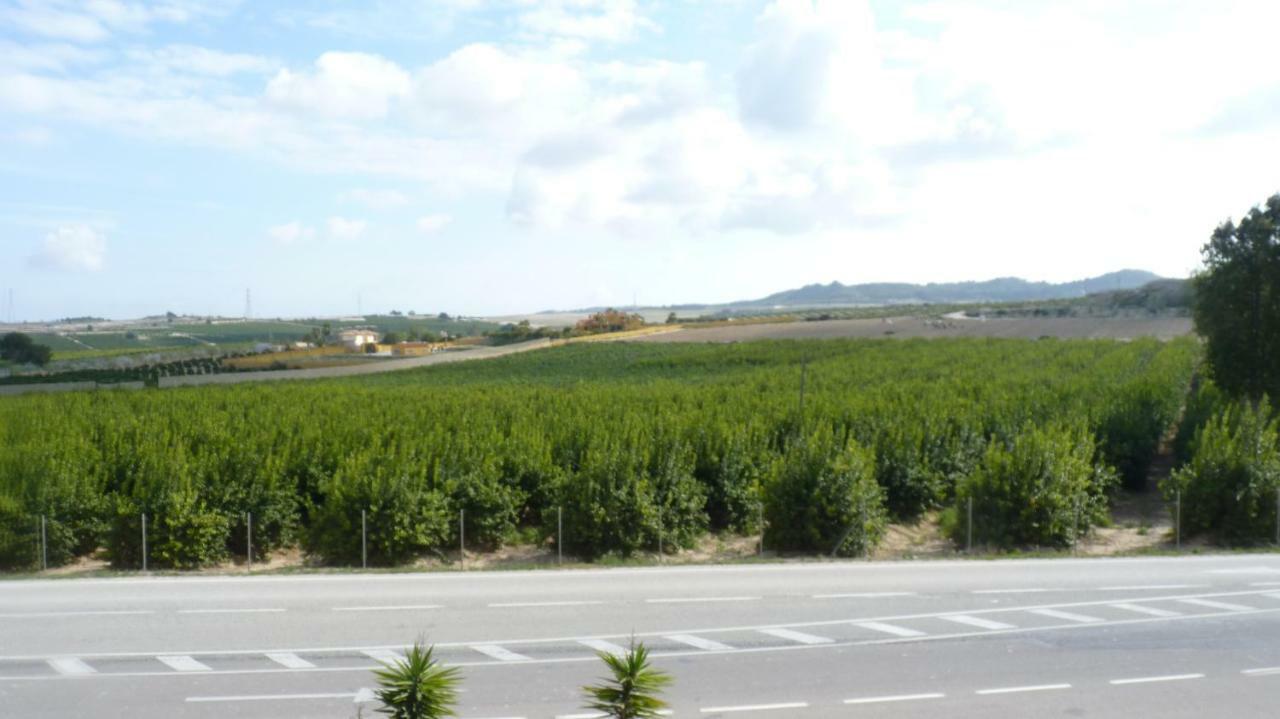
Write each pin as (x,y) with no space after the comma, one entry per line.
(862,526)
(968,546)
(248,541)
(761,510)
(364,541)
(1177,519)
(1278,515)
(660,557)
(44,545)
(559,535)
(144,541)
(462,537)
(1075,528)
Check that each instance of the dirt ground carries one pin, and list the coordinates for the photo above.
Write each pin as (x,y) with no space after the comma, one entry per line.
(908,327)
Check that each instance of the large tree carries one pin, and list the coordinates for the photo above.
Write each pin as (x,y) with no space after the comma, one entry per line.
(20,348)
(1237,303)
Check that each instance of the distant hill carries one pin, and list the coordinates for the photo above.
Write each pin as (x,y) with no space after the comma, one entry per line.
(1001,289)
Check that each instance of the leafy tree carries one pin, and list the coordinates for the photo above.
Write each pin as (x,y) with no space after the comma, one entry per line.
(392,338)
(20,348)
(672,319)
(1237,303)
(632,690)
(418,687)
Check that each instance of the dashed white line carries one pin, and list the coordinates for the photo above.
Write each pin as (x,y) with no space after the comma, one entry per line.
(1228,606)
(1264,584)
(691,600)
(96,613)
(889,629)
(393,608)
(184,663)
(71,666)
(269,697)
(1141,587)
(1068,616)
(1015,690)
(260,610)
(1261,672)
(1149,611)
(895,698)
(290,660)
(709,645)
(864,595)
(754,708)
(502,654)
(1030,590)
(386,656)
(601,645)
(794,636)
(513,605)
(976,622)
(1150,680)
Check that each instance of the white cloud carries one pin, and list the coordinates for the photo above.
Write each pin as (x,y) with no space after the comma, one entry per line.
(341,228)
(586,20)
(96,20)
(376,199)
(72,248)
(291,233)
(204,61)
(429,224)
(344,84)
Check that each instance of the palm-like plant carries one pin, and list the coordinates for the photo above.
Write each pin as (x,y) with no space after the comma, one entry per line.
(418,687)
(631,693)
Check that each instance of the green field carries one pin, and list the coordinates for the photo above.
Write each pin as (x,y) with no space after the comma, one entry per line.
(635,443)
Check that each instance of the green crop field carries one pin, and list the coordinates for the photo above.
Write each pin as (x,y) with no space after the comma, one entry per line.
(636,444)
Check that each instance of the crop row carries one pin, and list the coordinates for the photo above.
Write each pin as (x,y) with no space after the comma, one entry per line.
(635,444)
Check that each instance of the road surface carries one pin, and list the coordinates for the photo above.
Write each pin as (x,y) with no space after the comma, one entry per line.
(1169,637)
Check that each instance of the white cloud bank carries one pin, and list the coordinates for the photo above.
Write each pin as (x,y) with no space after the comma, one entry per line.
(73,248)
(430,224)
(341,228)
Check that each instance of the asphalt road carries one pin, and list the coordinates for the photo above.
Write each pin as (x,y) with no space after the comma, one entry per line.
(1174,637)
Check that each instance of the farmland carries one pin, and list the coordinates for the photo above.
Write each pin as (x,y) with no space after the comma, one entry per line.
(638,445)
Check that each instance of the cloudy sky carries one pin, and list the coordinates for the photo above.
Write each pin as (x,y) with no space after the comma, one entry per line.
(489,156)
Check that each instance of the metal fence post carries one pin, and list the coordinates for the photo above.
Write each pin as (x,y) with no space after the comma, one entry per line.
(364,541)
(1278,515)
(248,541)
(660,534)
(1075,528)
(44,545)
(462,537)
(761,509)
(968,546)
(559,535)
(144,541)
(1177,519)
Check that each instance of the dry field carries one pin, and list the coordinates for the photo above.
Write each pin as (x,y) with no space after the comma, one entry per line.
(1020,327)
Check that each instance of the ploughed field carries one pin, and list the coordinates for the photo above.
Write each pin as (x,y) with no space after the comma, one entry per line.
(1120,327)
(626,446)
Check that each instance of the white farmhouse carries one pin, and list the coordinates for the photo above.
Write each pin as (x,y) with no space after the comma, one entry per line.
(356,339)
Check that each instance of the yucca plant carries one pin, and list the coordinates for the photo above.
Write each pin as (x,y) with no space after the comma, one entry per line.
(418,687)
(632,691)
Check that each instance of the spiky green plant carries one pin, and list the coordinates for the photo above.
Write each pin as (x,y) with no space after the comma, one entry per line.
(418,687)
(632,691)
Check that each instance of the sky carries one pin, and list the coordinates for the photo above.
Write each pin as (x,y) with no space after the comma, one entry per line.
(499,156)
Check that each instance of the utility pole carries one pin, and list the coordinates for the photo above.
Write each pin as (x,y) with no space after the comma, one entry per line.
(248,304)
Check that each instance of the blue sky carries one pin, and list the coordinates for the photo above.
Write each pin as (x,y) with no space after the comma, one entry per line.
(496,156)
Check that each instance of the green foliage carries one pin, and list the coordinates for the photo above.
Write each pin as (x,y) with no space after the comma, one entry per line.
(19,541)
(1237,303)
(1230,483)
(418,687)
(823,497)
(20,348)
(1042,488)
(632,688)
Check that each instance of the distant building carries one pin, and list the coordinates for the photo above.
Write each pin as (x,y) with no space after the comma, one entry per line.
(357,339)
(415,349)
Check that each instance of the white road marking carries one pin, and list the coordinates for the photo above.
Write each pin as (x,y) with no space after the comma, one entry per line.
(1261,671)
(1032,590)
(104,613)
(1150,611)
(1141,587)
(1149,680)
(754,708)
(71,666)
(269,697)
(976,622)
(265,610)
(385,656)
(864,595)
(1068,616)
(690,600)
(290,660)
(1273,595)
(601,645)
(1264,584)
(184,663)
(500,653)
(894,698)
(889,629)
(1015,690)
(512,605)
(698,642)
(1228,606)
(794,636)
(394,608)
